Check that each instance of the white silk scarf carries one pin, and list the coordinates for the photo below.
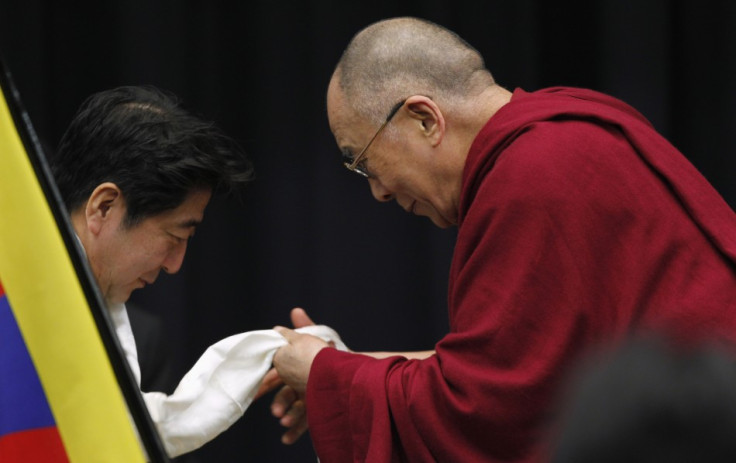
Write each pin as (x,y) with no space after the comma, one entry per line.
(219,388)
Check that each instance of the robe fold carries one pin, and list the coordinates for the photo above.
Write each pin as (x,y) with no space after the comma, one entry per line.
(578,224)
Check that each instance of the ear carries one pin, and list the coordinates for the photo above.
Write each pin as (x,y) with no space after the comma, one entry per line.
(426,112)
(104,206)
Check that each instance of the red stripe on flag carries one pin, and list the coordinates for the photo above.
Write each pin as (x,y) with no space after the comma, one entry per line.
(41,445)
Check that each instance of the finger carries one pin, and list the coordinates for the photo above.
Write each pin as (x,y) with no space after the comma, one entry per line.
(270,381)
(282,401)
(285,332)
(299,318)
(293,434)
(294,415)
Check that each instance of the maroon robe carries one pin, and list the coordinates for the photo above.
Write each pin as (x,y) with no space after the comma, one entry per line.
(578,223)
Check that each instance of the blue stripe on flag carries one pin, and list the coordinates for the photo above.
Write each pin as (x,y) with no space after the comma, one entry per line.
(23,403)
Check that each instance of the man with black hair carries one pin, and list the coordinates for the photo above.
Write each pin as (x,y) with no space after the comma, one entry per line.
(136,172)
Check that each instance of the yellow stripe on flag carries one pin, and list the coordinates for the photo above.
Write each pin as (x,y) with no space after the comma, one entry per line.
(54,316)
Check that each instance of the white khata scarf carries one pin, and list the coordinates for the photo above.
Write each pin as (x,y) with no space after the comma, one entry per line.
(218,389)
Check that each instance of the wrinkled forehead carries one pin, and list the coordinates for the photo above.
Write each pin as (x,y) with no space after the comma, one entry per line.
(336,106)
(343,120)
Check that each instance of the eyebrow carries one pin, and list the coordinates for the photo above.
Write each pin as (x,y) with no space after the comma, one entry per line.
(189,223)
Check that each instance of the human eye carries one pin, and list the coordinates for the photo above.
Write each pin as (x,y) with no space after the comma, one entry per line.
(178,238)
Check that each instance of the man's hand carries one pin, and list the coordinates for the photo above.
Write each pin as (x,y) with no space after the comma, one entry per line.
(299,319)
(270,382)
(294,360)
(291,412)
(288,406)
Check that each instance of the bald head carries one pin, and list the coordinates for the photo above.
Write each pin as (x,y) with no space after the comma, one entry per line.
(395,58)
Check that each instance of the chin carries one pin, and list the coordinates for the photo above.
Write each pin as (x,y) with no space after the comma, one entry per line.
(436,218)
(118,299)
(440,222)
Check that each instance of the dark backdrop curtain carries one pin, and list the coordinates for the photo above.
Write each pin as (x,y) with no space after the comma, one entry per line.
(307,233)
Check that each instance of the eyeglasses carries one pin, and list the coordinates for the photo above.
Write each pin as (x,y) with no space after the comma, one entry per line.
(357,163)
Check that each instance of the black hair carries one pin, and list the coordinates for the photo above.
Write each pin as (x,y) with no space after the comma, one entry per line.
(140,139)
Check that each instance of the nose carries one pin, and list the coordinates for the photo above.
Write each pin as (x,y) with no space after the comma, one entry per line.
(380,192)
(175,258)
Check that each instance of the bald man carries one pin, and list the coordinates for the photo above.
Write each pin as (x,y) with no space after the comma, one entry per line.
(577,223)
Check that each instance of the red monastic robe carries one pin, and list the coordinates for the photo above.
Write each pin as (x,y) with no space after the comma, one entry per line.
(578,224)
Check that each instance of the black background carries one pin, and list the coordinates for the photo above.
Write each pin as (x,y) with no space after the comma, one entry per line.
(308,233)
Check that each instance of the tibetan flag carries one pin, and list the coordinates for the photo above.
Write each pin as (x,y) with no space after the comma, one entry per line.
(30,434)
(66,393)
